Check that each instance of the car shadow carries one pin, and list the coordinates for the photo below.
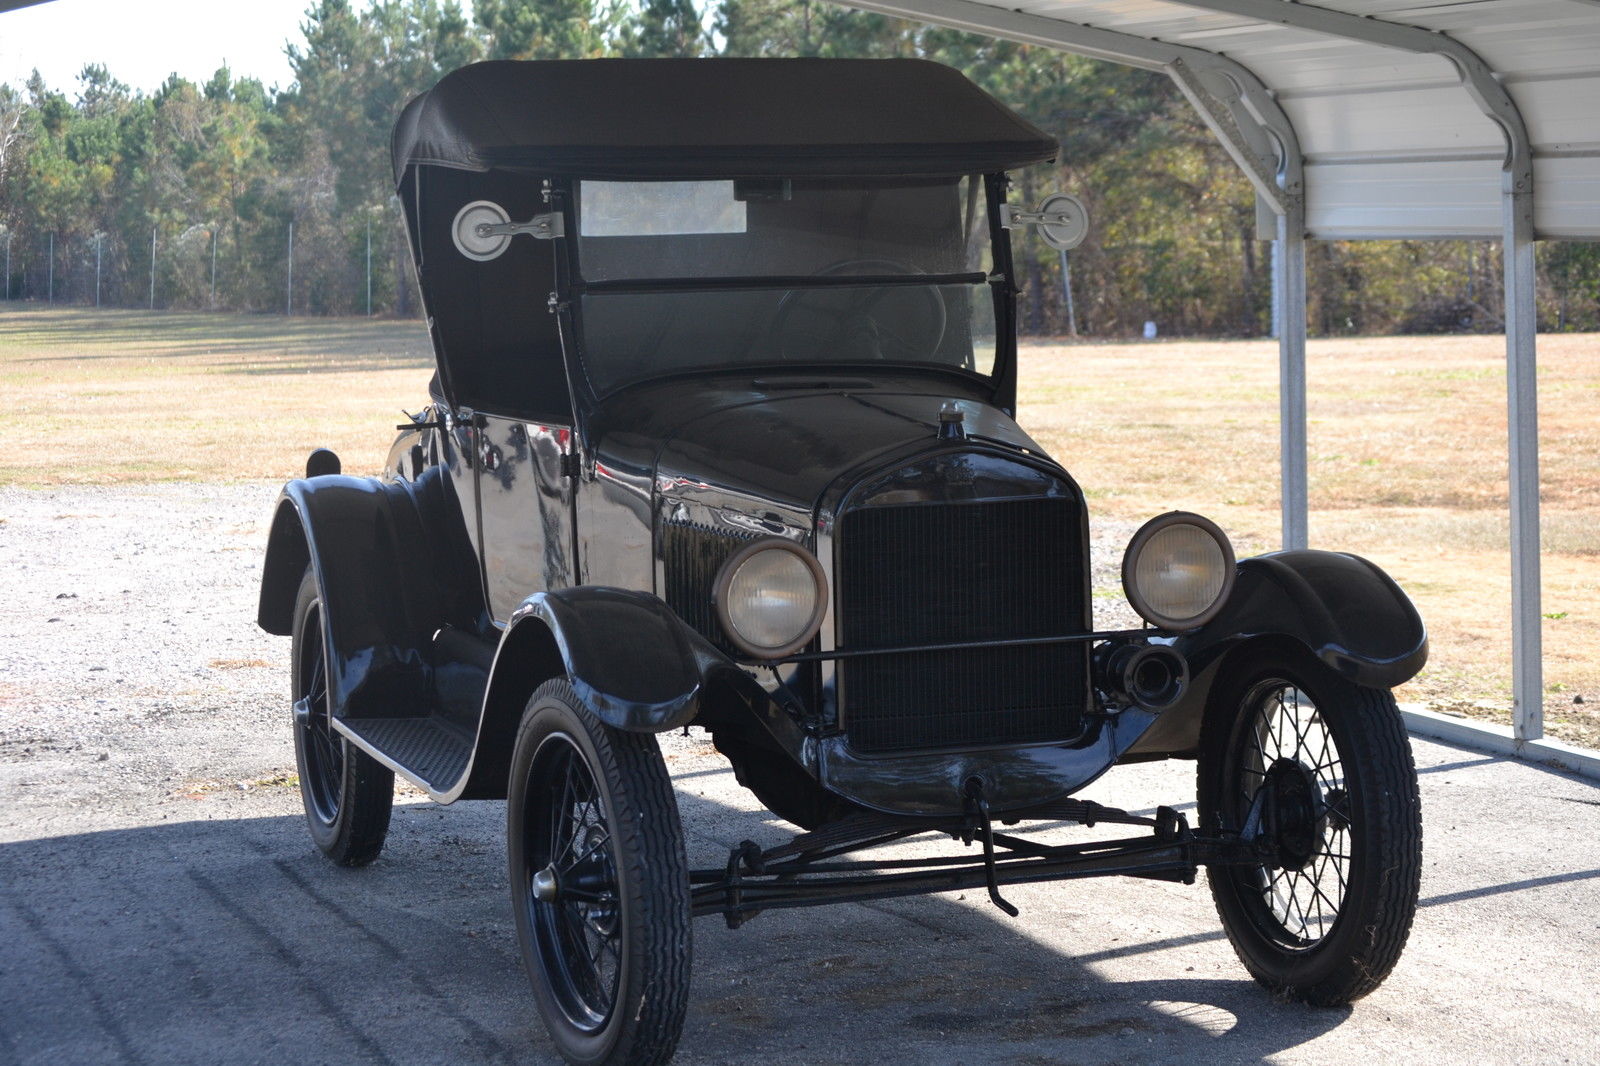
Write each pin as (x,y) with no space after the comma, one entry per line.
(232,940)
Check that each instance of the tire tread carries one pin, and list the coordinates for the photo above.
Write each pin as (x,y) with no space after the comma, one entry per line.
(644,798)
(366,788)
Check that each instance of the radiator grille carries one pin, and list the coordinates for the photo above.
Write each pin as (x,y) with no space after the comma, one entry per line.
(691,556)
(946,573)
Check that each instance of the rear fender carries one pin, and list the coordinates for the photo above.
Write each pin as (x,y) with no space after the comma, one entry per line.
(387,575)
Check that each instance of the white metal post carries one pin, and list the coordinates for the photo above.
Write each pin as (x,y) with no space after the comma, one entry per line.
(98,240)
(288,288)
(1289,280)
(369,263)
(213,268)
(1276,329)
(1066,287)
(50,274)
(152,268)
(1522,423)
(8,265)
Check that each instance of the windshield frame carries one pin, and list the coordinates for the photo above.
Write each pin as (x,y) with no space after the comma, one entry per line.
(567,303)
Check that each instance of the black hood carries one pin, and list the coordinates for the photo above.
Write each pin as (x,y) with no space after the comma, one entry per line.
(789,445)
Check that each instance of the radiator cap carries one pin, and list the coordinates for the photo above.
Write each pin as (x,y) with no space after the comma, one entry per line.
(952,422)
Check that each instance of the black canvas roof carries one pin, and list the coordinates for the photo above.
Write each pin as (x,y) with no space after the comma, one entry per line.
(679,118)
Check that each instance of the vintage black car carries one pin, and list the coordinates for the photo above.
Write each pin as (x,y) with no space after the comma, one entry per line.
(722,436)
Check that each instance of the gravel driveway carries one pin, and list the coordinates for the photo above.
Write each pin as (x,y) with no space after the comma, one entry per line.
(160,901)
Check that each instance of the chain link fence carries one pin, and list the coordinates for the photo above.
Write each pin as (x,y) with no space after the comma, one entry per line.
(357,264)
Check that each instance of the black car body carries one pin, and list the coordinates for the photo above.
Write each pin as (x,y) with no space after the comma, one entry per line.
(762,316)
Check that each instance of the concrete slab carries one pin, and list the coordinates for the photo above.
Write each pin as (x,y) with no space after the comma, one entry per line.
(1493,739)
(154,911)
(223,937)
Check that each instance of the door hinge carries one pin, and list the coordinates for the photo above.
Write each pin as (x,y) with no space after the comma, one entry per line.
(569,465)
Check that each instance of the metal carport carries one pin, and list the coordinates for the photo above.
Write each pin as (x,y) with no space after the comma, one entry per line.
(1378,119)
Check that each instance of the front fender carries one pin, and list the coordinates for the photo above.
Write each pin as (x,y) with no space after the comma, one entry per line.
(636,666)
(630,658)
(1342,609)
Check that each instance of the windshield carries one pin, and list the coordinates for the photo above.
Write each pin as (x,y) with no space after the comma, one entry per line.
(693,275)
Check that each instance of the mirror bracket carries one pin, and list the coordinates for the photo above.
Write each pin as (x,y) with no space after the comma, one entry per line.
(1061,220)
(482,230)
(546,227)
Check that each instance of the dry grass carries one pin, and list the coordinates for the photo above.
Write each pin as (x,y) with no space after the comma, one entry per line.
(1407,467)
(1407,448)
(102,397)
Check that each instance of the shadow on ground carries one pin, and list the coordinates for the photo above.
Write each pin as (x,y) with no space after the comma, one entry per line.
(232,941)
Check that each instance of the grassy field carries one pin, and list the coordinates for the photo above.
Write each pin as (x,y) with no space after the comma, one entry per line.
(1407,449)
(1407,456)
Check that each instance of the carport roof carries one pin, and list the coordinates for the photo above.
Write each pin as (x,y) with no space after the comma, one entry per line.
(1404,114)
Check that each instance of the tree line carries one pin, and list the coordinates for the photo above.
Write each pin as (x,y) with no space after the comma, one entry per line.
(233,195)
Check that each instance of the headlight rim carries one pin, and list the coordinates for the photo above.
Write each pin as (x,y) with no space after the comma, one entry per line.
(730,567)
(1136,545)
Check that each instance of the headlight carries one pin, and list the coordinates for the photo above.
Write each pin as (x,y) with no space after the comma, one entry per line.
(1178,570)
(770,596)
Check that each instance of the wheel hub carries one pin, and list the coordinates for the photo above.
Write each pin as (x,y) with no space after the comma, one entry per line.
(1296,807)
(600,916)
(546,885)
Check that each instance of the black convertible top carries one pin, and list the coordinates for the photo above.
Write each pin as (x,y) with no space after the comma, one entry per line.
(684,118)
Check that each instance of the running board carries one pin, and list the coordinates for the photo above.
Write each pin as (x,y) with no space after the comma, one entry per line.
(429,752)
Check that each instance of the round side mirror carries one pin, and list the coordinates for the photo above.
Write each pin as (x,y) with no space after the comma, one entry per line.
(470,224)
(1062,221)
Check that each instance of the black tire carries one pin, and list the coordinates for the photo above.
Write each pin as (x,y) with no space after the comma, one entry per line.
(1325,917)
(348,794)
(605,939)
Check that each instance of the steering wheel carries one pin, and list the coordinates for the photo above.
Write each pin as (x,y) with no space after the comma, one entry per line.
(882,322)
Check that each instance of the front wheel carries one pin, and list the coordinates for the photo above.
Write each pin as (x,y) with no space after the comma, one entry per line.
(599,883)
(1319,771)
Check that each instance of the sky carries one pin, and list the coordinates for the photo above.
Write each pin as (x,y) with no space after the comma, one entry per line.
(143,41)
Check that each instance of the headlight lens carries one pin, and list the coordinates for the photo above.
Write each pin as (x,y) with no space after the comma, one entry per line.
(770,597)
(1178,570)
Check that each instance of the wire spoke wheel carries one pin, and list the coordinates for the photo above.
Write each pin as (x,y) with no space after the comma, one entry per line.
(578,932)
(324,749)
(1316,773)
(599,883)
(348,795)
(1290,766)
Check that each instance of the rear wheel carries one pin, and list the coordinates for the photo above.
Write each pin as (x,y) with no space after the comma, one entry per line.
(599,883)
(1321,769)
(348,795)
